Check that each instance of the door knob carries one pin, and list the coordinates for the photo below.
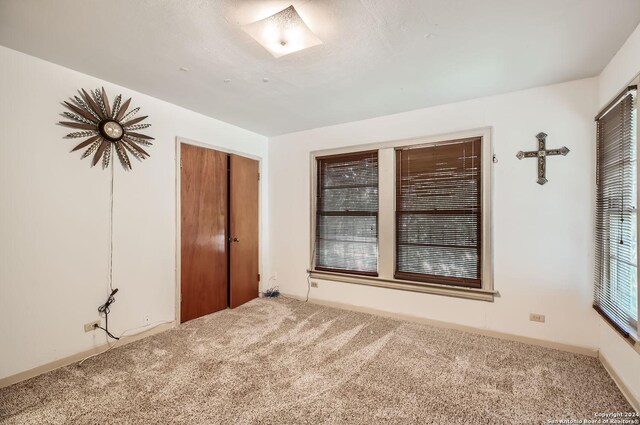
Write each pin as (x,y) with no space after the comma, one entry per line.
(235,240)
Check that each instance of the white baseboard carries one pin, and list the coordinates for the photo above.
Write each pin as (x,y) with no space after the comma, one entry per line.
(578,349)
(624,389)
(39,370)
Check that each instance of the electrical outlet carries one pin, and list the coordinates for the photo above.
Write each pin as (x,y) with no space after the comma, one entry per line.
(536,317)
(314,284)
(274,275)
(88,327)
(146,319)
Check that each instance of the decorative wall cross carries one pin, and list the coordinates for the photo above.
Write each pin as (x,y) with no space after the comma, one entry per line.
(542,154)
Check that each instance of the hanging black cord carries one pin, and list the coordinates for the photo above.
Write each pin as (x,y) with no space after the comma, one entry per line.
(111,232)
(104,308)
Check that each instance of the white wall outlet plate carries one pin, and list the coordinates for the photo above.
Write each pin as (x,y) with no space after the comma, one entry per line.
(88,327)
(314,284)
(534,317)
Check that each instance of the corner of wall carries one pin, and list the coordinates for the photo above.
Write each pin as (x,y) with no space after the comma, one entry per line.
(621,361)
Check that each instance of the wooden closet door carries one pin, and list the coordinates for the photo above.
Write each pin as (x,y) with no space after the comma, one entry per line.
(204,232)
(243,229)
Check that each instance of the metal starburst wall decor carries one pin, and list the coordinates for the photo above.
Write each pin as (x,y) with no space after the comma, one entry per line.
(106,127)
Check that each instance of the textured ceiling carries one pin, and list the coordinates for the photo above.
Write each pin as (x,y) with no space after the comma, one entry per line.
(378,57)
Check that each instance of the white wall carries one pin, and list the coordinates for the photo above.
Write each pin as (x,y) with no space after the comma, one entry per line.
(543,237)
(623,68)
(54,216)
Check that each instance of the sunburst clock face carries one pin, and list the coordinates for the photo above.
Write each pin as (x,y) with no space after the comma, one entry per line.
(106,128)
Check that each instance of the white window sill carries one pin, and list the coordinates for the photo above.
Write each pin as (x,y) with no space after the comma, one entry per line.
(406,285)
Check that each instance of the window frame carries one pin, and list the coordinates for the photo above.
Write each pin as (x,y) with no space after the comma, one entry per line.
(633,337)
(387,212)
(315,213)
(443,280)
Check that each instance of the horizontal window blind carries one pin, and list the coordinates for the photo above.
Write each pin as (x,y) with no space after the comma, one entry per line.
(438,213)
(347,213)
(616,285)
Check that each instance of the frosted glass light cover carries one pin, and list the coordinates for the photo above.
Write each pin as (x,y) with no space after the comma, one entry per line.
(282,33)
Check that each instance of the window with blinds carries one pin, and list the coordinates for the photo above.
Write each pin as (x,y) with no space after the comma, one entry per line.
(439,214)
(347,213)
(616,272)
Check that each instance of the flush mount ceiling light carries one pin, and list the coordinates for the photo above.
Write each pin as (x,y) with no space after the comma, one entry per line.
(282,33)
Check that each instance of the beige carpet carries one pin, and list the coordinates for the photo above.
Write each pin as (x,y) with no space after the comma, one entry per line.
(280,361)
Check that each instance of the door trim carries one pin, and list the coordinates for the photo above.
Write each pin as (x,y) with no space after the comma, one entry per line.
(180,141)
